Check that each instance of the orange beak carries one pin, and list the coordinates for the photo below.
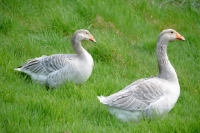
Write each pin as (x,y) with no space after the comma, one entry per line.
(92,38)
(179,37)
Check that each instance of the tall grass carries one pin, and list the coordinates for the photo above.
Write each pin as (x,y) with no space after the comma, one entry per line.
(126,32)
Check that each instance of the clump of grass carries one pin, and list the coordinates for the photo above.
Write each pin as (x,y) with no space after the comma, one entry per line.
(6,25)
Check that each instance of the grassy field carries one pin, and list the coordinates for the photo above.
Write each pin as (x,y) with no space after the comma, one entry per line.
(126,32)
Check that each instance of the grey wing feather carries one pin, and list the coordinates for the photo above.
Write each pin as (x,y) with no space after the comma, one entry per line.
(136,97)
(58,77)
(133,84)
(46,64)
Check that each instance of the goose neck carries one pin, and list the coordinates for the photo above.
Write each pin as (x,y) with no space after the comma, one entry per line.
(166,70)
(77,47)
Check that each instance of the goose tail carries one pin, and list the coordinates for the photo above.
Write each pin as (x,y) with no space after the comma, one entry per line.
(101,98)
(18,68)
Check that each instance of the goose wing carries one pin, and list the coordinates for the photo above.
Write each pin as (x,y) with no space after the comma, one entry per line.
(137,96)
(46,64)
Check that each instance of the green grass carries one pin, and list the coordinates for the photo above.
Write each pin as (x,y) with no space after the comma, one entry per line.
(126,33)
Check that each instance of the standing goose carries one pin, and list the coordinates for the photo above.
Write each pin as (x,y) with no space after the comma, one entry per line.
(57,69)
(149,97)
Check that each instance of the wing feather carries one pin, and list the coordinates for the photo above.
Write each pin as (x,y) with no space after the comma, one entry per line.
(137,96)
(47,64)
(68,73)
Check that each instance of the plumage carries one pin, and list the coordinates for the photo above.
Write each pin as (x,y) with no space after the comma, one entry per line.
(57,69)
(149,97)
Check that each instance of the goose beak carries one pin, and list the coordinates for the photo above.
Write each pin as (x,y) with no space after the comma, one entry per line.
(92,39)
(179,37)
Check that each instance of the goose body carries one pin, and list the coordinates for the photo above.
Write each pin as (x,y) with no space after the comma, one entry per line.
(57,69)
(149,97)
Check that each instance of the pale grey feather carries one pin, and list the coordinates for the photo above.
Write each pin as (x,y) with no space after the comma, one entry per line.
(47,64)
(137,96)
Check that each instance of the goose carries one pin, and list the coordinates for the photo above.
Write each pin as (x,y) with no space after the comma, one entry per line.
(152,97)
(57,69)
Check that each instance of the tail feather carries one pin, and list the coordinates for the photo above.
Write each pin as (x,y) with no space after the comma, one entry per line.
(18,68)
(101,98)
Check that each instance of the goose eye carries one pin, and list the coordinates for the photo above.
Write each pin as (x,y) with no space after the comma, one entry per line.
(86,33)
(171,32)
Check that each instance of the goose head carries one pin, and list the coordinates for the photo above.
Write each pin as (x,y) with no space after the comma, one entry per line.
(81,35)
(170,35)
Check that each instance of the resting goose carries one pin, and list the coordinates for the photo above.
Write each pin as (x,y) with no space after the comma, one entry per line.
(57,69)
(149,97)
